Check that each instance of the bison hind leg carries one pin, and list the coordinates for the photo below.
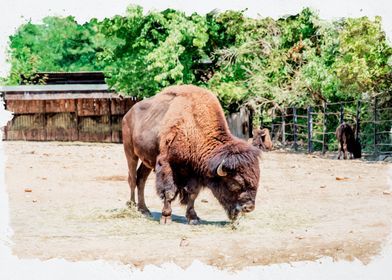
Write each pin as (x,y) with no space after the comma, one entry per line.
(142,173)
(132,163)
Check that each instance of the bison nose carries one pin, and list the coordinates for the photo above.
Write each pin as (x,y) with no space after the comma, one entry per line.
(248,207)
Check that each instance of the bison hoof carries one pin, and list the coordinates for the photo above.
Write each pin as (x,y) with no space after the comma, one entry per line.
(144,211)
(194,221)
(165,220)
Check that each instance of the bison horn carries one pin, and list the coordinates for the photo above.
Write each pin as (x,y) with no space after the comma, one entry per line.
(220,170)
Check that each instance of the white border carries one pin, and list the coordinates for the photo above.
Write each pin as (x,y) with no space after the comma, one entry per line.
(12,267)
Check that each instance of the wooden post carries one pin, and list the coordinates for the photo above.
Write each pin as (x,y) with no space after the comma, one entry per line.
(310,130)
(375,126)
(341,113)
(272,124)
(358,120)
(45,121)
(295,128)
(261,117)
(110,119)
(324,128)
(283,127)
(77,118)
(5,136)
(250,134)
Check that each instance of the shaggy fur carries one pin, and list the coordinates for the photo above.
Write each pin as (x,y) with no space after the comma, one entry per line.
(182,133)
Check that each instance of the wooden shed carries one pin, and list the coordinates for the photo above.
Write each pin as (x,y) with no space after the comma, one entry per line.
(65,110)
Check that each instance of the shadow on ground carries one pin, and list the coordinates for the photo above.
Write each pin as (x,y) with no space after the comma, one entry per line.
(156,216)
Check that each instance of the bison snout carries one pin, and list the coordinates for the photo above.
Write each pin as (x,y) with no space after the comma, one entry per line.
(249,207)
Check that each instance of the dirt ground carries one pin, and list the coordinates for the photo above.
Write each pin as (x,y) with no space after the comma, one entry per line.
(67,200)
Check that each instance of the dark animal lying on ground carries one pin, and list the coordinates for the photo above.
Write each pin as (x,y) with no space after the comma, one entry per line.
(347,142)
(182,133)
(262,139)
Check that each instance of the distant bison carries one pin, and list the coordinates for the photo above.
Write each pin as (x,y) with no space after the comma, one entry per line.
(347,142)
(262,139)
(183,135)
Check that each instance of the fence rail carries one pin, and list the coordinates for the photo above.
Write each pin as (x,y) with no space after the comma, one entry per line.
(313,128)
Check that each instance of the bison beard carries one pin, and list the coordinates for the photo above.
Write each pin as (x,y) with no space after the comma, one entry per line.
(182,134)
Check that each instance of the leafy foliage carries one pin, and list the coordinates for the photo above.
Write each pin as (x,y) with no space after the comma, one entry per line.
(362,65)
(261,63)
(153,51)
(58,44)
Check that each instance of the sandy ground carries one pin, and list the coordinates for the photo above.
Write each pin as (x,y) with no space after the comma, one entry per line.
(76,210)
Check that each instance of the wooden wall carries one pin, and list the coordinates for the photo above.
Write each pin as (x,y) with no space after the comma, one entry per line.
(93,116)
(81,119)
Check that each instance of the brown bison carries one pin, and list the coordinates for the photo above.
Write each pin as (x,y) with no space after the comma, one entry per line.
(262,139)
(182,134)
(347,142)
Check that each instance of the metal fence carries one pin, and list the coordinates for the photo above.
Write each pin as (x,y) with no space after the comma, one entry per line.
(313,128)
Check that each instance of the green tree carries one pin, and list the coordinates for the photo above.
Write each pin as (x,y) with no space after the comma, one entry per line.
(153,51)
(298,60)
(58,44)
(362,63)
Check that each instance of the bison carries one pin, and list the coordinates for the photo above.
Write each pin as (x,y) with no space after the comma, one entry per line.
(347,142)
(262,139)
(182,134)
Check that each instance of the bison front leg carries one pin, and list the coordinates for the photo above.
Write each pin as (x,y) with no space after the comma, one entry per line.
(166,187)
(191,215)
(192,191)
(166,212)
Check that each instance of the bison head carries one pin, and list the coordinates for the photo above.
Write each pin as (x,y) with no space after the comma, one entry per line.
(262,139)
(235,177)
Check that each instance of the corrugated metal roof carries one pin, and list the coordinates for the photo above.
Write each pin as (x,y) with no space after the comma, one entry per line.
(57,96)
(57,78)
(53,92)
(54,88)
